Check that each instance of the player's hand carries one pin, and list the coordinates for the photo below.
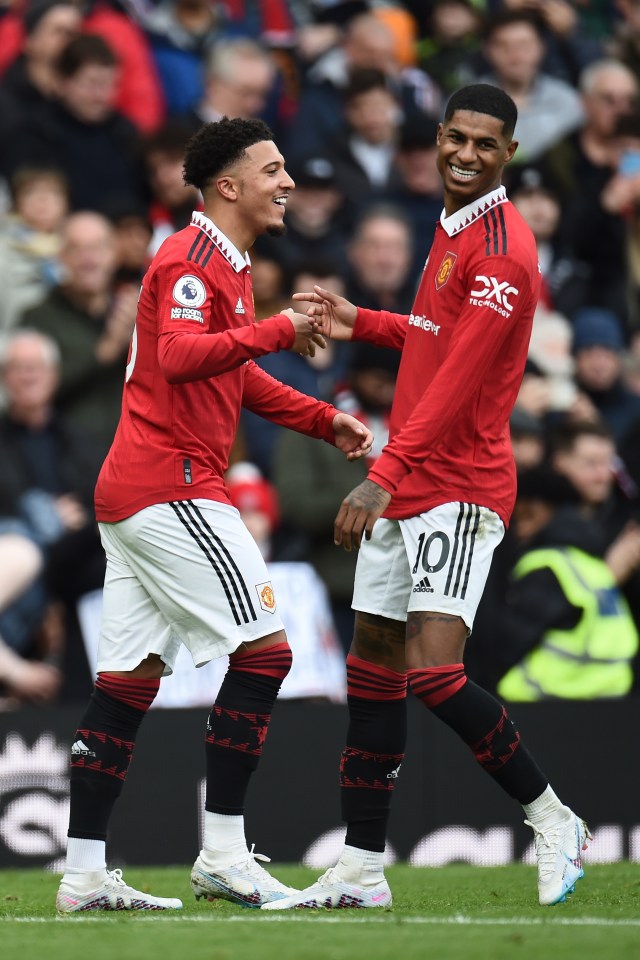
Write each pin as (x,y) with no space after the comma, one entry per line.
(335,315)
(352,437)
(307,334)
(358,512)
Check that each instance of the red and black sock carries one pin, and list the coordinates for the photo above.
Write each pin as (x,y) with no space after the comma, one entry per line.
(376,737)
(238,724)
(102,750)
(482,722)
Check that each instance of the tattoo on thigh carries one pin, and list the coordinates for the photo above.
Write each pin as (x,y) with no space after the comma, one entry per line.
(418,619)
(378,639)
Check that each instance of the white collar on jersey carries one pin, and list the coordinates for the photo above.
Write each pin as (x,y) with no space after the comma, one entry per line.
(224,245)
(462,218)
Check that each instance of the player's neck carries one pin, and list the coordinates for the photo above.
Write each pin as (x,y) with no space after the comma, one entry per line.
(228,224)
(453,204)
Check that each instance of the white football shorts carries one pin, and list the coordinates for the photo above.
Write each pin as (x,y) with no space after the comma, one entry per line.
(438,561)
(186,572)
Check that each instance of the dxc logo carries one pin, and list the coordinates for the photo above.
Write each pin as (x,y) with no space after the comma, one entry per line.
(492,289)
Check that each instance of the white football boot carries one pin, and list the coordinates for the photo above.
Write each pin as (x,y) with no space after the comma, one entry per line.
(331,892)
(559,854)
(245,883)
(106,890)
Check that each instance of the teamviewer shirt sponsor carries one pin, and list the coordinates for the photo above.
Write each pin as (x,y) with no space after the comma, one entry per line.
(465,347)
(189,371)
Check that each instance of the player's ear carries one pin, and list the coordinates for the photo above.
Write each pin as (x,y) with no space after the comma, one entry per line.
(227,187)
(510,151)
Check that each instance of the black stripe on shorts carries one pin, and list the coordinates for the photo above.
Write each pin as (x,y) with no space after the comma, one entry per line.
(215,551)
(463,544)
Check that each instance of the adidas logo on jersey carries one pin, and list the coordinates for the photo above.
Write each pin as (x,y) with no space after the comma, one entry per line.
(80,749)
(239,306)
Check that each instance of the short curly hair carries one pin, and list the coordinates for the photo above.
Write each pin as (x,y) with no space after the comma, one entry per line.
(217,145)
(484,98)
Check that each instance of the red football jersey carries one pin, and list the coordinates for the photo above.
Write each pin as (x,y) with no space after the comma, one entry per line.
(189,372)
(464,349)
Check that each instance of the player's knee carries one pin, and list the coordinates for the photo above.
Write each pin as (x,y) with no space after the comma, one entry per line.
(370,681)
(434,685)
(272,661)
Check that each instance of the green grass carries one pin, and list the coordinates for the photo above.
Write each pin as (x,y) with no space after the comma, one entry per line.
(453,913)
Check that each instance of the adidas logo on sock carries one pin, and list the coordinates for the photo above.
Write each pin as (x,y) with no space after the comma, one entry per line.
(239,306)
(80,749)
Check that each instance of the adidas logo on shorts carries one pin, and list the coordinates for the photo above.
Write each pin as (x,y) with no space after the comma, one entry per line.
(423,587)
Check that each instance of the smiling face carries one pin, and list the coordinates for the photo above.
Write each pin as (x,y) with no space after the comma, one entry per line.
(472,152)
(260,187)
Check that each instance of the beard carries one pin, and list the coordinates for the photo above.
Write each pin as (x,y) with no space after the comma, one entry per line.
(276,230)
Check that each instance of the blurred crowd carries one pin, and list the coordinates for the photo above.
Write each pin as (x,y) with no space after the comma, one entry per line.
(98,99)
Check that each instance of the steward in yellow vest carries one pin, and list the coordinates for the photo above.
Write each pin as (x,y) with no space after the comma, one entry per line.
(568,632)
(591,659)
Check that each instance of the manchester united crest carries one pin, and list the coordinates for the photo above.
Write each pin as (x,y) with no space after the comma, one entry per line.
(267,597)
(445,268)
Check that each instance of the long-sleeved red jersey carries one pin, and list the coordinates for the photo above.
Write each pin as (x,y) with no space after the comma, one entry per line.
(190,370)
(464,348)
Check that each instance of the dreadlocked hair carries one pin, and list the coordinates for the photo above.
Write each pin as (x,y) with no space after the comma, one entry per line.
(218,145)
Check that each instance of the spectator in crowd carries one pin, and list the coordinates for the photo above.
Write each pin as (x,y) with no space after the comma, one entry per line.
(31,81)
(240,75)
(582,162)
(46,492)
(621,199)
(317,376)
(269,281)
(566,629)
(133,233)
(310,480)
(139,96)
(550,355)
(21,677)
(181,33)
(172,200)
(83,135)
(451,45)
(564,279)
(598,347)
(586,454)
(623,41)
(317,215)
(367,43)
(30,241)
(527,439)
(380,260)
(582,165)
(569,45)
(91,326)
(548,109)
(419,193)
(364,156)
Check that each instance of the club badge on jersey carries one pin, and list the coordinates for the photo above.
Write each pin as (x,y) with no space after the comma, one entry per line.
(445,268)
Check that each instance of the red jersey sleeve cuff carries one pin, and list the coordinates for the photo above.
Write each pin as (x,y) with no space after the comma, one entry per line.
(285,329)
(387,472)
(328,434)
(367,324)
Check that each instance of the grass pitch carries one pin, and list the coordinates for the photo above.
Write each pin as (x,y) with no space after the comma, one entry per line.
(449,913)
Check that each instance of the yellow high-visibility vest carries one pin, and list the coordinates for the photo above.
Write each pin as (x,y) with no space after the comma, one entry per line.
(593,659)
